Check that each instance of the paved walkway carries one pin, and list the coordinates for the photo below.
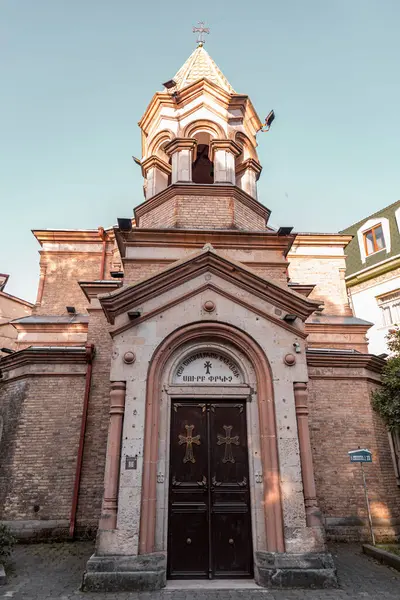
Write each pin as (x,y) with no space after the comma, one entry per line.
(54,571)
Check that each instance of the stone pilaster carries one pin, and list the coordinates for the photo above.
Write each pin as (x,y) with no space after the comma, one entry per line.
(108,519)
(156,173)
(313,515)
(223,154)
(247,175)
(183,151)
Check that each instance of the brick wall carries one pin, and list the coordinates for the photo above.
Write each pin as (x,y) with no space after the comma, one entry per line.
(12,397)
(63,271)
(161,216)
(40,442)
(326,274)
(92,479)
(278,273)
(203,212)
(245,218)
(342,419)
(135,271)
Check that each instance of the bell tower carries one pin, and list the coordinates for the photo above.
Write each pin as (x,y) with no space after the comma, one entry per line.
(199,139)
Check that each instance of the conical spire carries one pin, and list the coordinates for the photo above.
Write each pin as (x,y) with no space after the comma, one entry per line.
(200,65)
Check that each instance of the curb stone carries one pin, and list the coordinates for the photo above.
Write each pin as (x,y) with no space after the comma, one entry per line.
(387,558)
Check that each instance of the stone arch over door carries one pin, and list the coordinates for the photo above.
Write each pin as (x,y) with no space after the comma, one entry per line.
(219,333)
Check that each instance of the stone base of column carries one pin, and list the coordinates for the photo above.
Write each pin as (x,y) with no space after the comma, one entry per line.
(282,570)
(146,572)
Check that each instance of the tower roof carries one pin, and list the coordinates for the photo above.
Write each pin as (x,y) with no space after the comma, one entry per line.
(200,65)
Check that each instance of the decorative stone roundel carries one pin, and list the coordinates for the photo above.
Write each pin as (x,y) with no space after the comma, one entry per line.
(290,360)
(209,306)
(208,368)
(129,358)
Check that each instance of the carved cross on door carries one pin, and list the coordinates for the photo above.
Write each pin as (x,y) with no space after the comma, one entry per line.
(228,441)
(189,440)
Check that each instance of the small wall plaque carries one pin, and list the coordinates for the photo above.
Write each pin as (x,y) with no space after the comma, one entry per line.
(130,462)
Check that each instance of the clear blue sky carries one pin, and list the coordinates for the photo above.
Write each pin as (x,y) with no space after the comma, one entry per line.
(76,76)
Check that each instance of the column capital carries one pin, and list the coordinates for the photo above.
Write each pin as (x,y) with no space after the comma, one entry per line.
(155,162)
(227,145)
(180,144)
(250,164)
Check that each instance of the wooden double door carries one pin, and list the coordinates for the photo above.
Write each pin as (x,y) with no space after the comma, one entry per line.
(209,532)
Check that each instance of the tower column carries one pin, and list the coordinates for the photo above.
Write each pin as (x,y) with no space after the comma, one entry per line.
(156,173)
(223,154)
(183,152)
(247,175)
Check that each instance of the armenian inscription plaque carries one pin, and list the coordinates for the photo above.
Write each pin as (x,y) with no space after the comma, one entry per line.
(208,368)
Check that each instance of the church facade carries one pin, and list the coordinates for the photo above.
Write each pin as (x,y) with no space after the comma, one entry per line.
(190,381)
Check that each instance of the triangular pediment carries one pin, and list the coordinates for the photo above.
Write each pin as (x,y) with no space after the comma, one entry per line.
(206,260)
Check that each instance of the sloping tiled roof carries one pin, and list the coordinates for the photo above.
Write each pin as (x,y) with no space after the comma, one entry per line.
(200,65)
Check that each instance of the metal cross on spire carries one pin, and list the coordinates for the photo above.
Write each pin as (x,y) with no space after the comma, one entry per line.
(201,30)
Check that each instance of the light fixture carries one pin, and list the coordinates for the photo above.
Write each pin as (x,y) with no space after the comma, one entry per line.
(268,121)
(117,274)
(269,118)
(285,230)
(7,350)
(169,84)
(289,318)
(134,314)
(125,224)
(71,310)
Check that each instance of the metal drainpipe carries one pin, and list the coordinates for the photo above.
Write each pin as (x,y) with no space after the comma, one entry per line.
(103,235)
(78,471)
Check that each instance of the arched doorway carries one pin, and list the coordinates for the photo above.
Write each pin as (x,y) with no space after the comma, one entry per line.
(209,521)
(253,393)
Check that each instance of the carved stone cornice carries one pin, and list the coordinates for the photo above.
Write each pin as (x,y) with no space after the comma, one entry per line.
(178,144)
(198,189)
(345,360)
(92,289)
(158,163)
(70,236)
(231,102)
(47,355)
(250,164)
(322,239)
(196,238)
(201,262)
(227,145)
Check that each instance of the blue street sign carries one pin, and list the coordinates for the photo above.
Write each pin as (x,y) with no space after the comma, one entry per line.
(361,455)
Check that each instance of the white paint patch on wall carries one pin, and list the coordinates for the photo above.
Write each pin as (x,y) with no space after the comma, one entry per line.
(366,306)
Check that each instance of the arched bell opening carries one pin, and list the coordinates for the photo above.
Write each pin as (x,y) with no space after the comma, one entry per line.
(202,166)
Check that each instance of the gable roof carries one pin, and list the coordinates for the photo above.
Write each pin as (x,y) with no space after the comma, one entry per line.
(198,66)
(120,301)
(352,250)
